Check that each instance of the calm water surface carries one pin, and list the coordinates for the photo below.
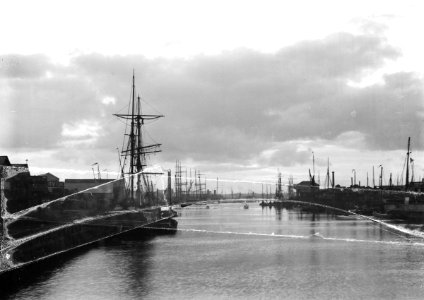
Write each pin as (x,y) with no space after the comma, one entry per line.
(230,252)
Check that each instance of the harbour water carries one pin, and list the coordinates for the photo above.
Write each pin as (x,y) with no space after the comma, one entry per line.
(225,251)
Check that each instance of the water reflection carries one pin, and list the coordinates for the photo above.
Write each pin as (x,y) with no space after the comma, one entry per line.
(36,275)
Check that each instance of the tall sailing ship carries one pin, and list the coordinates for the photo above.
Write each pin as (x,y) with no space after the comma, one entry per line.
(108,209)
(135,155)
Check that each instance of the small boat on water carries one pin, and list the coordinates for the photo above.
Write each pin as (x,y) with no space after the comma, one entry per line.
(201,203)
(266,204)
(316,235)
(245,205)
(348,217)
(380,215)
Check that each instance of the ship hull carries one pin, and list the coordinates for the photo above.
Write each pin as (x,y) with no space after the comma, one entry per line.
(34,249)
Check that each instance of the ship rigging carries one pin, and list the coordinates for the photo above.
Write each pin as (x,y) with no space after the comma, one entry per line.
(139,189)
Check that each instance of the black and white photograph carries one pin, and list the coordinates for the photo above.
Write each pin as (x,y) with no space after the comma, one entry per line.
(182,149)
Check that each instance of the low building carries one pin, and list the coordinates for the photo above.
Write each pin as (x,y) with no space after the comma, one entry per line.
(305,188)
(19,190)
(54,186)
(91,193)
(8,170)
(79,185)
(416,186)
(15,186)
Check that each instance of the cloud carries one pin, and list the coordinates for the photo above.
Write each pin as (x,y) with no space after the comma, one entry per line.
(24,66)
(339,56)
(238,107)
(108,100)
(82,129)
(285,154)
(83,133)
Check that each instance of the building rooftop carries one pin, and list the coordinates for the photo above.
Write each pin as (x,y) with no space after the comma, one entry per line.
(4,161)
(49,175)
(20,165)
(306,183)
(88,180)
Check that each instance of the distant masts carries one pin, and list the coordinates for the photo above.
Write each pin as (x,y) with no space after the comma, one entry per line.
(98,171)
(327,178)
(367,180)
(279,191)
(381,176)
(407,165)
(217,186)
(290,189)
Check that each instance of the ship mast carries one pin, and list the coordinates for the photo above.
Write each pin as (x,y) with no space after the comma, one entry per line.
(132,139)
(139,195)
(407,165)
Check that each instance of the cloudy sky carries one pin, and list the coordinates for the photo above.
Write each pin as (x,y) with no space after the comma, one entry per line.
(247,87)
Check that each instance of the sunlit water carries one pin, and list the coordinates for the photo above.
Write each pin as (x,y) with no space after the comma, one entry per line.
(230,252)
